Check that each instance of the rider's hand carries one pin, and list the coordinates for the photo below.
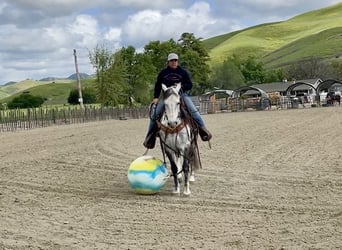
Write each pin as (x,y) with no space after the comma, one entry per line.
(155,101)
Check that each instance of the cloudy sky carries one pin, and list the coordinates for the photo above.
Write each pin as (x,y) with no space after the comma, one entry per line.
(37,37)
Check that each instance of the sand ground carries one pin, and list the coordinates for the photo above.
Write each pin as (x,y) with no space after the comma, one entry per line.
(272,180)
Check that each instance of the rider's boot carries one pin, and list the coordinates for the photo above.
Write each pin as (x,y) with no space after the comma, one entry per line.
(150,140)
(204,133)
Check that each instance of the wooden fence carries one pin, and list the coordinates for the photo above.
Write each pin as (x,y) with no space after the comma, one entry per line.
(12,120)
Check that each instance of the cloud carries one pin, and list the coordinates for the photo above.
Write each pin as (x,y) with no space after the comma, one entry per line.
(150,25)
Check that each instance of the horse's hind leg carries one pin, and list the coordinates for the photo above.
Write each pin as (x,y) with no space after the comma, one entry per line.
(192,176)
(195,162)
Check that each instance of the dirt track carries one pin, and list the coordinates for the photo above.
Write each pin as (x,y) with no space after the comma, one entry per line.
(272,180)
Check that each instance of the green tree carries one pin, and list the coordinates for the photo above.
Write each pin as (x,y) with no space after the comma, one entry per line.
(141,75)
(26,100)
(88,95)
(227,76)
(194,58)
(111,76)
(143,78)
(253,71)
(276,75)
(127,75)
(158,52)
(100,58)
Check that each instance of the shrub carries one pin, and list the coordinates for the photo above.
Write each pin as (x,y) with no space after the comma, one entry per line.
(88,95)
(26,100)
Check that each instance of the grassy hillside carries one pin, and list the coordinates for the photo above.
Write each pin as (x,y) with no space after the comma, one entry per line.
(326,45)
(263,40)
(3,94)
(20,86)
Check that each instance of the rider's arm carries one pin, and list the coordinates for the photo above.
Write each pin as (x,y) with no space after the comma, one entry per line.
(157,87)
(186,81)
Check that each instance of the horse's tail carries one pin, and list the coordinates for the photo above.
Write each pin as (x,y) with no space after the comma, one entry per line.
(196,160)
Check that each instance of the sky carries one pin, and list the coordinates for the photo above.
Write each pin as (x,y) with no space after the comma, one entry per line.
(37,37)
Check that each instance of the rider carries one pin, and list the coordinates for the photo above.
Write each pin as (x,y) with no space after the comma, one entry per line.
(170,76)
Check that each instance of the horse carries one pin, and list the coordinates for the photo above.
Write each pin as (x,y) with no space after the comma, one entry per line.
(178,139)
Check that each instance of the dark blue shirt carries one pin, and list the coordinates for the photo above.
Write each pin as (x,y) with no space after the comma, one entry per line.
(170,77)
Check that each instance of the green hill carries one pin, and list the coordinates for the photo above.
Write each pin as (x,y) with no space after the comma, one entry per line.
(319,32)
(327,45)
(56,92)
(13,88)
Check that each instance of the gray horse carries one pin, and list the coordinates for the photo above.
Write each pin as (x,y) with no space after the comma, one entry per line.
(178,140)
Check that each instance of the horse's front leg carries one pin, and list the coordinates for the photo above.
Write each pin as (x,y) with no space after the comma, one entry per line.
(186,177)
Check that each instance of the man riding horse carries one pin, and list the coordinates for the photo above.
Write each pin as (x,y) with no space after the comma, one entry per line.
(170,76)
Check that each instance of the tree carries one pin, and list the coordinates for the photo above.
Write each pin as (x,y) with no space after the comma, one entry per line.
(276,75)
(194,58)
(127,75)
(310,68)
(226,76)
(88,94)
(253,71)
(111,76)
(158,52)
(100,58)
(26,100)
(336,70)
(141,75)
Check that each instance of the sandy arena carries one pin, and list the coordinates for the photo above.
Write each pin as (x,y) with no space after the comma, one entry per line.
(272,180)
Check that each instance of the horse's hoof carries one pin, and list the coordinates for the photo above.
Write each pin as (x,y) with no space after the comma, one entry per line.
(176,191)
(187,193)
(192,178)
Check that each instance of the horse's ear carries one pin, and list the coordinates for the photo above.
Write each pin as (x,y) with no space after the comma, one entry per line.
(178,86)
(164,87)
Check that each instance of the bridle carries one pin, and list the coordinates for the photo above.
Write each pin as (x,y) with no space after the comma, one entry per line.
(171,130)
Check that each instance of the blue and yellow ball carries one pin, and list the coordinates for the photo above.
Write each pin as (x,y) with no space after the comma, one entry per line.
(147,175)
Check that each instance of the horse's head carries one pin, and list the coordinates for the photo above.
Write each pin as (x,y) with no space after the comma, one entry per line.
(172,115)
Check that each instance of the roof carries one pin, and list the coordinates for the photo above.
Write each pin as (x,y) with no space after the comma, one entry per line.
(219,91)
(327,84)
(283,86)
(248,90)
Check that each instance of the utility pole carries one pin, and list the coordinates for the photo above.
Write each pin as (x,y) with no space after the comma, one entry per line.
(80,99)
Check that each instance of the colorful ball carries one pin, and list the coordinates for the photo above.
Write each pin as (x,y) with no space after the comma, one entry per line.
(147,175)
